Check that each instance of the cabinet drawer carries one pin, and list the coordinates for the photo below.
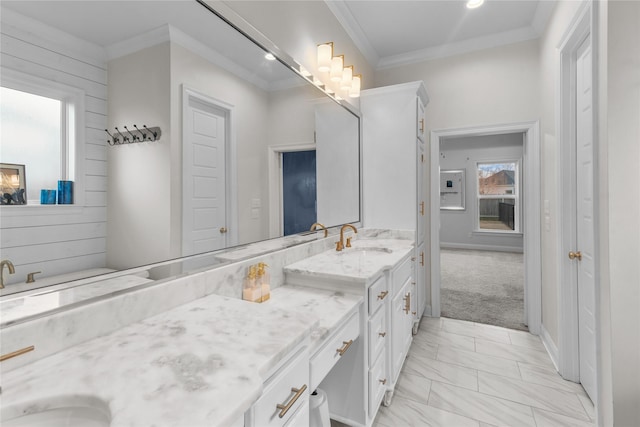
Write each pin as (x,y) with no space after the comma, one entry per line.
(378,334)
(401,274)
(288,388)
(377,383)
(378,293)
(325,358)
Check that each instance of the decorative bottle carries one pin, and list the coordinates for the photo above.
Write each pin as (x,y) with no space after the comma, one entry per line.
(264,281)
(250,290)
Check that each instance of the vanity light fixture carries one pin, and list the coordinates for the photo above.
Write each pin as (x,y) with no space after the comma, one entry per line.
(347,77)
(472,4)
(337,65)
(270,57)
(325,54)
(354,92)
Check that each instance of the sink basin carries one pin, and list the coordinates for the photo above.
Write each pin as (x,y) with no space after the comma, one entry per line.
(365,251)
(66,412)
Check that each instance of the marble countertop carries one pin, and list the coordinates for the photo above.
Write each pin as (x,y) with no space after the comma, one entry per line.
(203,363)
(365,260)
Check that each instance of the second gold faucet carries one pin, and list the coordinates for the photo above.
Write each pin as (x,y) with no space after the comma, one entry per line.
(340,244)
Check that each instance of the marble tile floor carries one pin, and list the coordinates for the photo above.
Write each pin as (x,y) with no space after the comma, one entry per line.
(461,373)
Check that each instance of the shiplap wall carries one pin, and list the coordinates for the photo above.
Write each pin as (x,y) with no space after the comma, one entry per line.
(59,239)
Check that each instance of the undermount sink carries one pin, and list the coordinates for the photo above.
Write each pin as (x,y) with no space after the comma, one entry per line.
(365,251)
(61,412)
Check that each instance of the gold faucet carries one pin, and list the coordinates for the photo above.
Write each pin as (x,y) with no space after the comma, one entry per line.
(12,270)
(317,225)
(340,244)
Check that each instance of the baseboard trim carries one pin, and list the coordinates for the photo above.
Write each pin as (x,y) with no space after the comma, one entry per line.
(550,346)
(445,245)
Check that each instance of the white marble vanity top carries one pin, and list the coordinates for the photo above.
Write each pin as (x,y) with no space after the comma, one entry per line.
(365,260)
(203,363)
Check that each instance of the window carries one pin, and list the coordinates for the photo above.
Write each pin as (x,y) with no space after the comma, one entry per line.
(38,130)
(498,197)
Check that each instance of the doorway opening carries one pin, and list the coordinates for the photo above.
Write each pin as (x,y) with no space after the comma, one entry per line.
(299,190)
(524,196)
(292,188)
(481,241)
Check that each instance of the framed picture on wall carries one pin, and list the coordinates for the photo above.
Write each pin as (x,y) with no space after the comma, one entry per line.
(452,190)
(13,184)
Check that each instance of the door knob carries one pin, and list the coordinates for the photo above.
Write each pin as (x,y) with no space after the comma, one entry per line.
(223,230)
(574,255)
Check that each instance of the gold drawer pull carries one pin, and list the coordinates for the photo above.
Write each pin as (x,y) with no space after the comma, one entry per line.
(383,294)
(345,347)
(383,382)
(382,334)
(16,353)
(285,408)
(407,303)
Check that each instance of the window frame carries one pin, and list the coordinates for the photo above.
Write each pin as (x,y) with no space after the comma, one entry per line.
(516,197)
(72,159)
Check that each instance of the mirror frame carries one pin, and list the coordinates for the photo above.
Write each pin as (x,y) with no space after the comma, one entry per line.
(230,17)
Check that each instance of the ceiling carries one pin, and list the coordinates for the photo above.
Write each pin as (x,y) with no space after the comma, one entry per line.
(398,32)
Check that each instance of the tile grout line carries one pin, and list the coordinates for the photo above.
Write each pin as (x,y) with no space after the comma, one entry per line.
(542,409)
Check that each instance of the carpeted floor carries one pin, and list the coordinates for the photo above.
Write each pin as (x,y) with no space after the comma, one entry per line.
(483,286)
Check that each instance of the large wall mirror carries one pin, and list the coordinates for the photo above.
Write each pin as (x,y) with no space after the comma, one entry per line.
(238,147)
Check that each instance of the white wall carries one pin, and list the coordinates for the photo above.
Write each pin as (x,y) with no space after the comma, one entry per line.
(59,239)
(619,133)
(487,87)
(457,228)
(140,174)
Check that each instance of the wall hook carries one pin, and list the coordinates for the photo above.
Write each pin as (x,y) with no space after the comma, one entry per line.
(132,135)
(124,138)
(113,140)
(144,135)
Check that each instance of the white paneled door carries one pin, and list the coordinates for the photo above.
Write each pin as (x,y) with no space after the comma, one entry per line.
(585,222)
(204,199)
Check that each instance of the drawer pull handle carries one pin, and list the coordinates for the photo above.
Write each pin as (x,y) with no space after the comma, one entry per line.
(345,347)
(16,353)
(383,382)
(383,294)
(382,334)
(407,303)
(285,408)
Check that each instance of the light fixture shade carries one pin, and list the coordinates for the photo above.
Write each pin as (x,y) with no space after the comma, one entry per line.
(325,53)
(354,92)
(337,64)
(347,76)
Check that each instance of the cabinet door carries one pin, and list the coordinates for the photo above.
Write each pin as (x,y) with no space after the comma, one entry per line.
(420,281)
(401,324)
(421,196)
(420,120)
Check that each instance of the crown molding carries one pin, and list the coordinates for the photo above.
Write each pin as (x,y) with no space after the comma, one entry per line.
(344,16)
(458,48)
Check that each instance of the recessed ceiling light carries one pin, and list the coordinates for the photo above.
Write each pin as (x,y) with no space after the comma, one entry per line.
(270,57)
(472,4)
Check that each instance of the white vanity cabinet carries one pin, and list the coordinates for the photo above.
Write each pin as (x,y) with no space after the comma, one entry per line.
(394,160)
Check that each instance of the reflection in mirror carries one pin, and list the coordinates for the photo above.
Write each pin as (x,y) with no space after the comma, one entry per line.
(211,178)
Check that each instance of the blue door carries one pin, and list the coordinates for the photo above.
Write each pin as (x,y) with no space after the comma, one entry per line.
(299,190)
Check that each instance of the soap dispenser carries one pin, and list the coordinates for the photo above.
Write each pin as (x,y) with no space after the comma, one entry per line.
(264,281)
(251,291)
